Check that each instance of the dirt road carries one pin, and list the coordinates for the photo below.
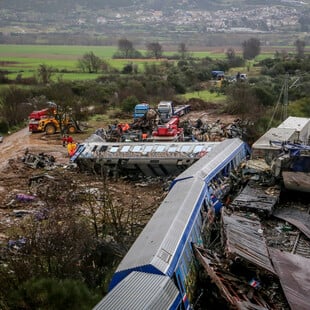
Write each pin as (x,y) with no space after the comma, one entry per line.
(15,145)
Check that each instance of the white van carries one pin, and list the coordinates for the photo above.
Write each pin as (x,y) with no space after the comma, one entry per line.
(243,76)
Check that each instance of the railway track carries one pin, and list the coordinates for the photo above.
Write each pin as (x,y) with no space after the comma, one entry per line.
(302,246)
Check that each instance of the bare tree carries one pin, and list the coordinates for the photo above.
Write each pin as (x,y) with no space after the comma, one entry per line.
(45,73)
(154,50)
(251,48)
(230,54)
(125,47)
(182,49)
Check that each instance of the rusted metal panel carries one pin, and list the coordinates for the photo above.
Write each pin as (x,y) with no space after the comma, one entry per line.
(294,274)
(244,238)
(296,217)
(255,198)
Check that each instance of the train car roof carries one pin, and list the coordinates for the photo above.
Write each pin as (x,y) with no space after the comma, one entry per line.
(95,147)
(220,155)
(156,248)
(141,291)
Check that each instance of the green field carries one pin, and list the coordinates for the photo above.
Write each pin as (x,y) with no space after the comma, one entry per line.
(206,96)
(24,60)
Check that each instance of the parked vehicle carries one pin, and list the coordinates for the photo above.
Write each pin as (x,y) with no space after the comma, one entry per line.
(167,109)
(217,75)
(159,272)
(140,110)
(36,116)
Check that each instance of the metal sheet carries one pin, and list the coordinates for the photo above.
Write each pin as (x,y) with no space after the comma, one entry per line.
(244,238)
(296,217)
(294,273)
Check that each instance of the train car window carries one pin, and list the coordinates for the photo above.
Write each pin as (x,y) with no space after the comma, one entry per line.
(185,148)
(172,149)
(199,219)
(160,148)
(103,148)
(197,232)
(148,148)
(187,256)
(137,148)
(125,148)
(198,148)
(180,282)
(114,149)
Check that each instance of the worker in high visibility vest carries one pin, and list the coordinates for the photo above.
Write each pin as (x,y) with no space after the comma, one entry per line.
(71,147)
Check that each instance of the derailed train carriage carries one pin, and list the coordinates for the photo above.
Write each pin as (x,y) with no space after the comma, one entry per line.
(158,272)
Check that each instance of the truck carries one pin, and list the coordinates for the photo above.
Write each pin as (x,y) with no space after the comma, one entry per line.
(140,110)
(167,109)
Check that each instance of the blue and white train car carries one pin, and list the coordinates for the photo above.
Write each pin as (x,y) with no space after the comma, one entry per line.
(160,268)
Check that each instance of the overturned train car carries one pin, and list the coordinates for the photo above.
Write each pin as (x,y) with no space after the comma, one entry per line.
(151,159)
(158,272)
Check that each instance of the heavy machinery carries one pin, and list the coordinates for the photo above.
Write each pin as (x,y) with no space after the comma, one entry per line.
(52,125)
(36,116)
(50,121)
(169,131)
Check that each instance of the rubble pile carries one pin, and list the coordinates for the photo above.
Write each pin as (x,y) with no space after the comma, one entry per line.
(257,250)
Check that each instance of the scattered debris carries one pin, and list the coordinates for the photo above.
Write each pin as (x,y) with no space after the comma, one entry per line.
(256,198)
(25,198)
(238,293)
(296,217)
(38,161)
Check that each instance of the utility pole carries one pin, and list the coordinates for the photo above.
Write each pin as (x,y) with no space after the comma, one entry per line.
(285,96)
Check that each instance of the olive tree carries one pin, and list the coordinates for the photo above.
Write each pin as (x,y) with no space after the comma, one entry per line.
(90,63)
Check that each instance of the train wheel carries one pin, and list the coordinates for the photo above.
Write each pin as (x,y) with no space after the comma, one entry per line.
(71,129)
(50,129)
